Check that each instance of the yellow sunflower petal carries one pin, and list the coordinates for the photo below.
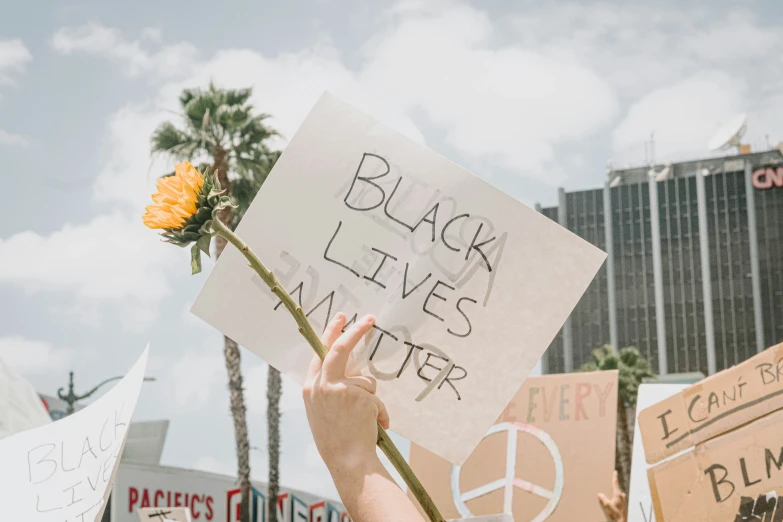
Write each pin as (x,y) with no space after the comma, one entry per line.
(176,199)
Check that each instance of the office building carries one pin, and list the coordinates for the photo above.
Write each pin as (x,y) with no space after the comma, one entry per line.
(694,274)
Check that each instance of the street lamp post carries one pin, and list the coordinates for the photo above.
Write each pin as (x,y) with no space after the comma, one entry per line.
(71,397)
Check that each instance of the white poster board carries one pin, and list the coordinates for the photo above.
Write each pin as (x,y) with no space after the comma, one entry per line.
(165,514)
(640,507)
(64,471)
(467,285)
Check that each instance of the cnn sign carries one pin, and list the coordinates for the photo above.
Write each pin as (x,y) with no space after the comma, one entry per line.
(768,177)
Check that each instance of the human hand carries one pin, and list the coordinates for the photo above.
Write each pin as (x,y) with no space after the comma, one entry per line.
(342,411)
(615,509)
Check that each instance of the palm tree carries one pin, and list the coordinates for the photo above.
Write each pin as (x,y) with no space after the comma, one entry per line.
(634,369)
(219,125)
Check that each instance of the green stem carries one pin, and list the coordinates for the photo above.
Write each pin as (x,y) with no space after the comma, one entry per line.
(306,329)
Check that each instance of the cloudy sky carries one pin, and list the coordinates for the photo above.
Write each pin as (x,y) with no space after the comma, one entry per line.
(529,97)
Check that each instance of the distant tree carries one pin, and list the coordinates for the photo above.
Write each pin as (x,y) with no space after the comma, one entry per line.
(634,369)
(220,125)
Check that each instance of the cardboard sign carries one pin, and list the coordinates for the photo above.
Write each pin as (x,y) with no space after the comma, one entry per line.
(547,458)
(640,504)
(718,480)
(713,406)
(165,514)
(468,286)
(735,421)
(64,471)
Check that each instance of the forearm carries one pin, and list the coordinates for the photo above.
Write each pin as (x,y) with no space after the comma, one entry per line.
(370,494)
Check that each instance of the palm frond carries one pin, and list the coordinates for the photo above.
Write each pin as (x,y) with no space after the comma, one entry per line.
(633,369)
(167,138)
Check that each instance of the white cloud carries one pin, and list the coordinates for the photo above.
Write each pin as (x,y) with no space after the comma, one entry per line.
(640,48)
(129,175)
(683,116)
(12,140)
(675,69)
(110,258)
(13,58)
(195,377)
(32,357)
(507,106)
(97,39)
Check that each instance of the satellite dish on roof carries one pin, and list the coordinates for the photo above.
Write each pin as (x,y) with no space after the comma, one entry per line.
(730,134)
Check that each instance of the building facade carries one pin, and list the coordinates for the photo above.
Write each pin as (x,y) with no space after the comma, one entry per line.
(694,274)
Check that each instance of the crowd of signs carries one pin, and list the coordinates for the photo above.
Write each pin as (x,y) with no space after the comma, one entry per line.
(468,287)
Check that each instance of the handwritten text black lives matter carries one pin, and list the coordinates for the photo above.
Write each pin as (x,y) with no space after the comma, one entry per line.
(458,245)
(82,467)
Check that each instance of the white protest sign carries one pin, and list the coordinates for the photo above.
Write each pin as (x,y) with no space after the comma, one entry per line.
(167,514)
(63,472)
(467,285)
(640,508)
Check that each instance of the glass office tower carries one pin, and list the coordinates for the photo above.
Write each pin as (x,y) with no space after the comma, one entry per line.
(702,290)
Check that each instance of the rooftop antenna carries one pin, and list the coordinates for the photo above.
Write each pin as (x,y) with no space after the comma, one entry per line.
(652,147)
(730,134)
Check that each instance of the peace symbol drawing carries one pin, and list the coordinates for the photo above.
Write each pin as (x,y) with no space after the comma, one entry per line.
(510,479)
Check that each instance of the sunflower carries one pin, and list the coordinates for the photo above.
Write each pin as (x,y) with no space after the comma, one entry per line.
(184,207)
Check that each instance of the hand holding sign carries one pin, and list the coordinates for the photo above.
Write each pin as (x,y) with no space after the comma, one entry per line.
(342,410)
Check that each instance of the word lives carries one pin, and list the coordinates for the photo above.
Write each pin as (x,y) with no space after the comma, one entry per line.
(427,278)
(85,466)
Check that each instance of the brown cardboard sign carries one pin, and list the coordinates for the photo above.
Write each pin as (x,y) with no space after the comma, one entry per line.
(547,457)
(714,405)
(733,477)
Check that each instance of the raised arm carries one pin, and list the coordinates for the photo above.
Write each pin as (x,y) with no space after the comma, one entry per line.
(342,412)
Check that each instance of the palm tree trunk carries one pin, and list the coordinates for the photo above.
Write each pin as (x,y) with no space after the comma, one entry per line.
(234,366)
(623,446)
(273,393)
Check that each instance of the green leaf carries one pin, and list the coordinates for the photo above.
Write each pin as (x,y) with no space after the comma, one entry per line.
(203,243)
(195,259)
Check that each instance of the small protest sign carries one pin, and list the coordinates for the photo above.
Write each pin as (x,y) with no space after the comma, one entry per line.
(165,514)
(734,419)
(64,471)
(715,481)
(640,505)
(714,405)
(468,286)
(548,456)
